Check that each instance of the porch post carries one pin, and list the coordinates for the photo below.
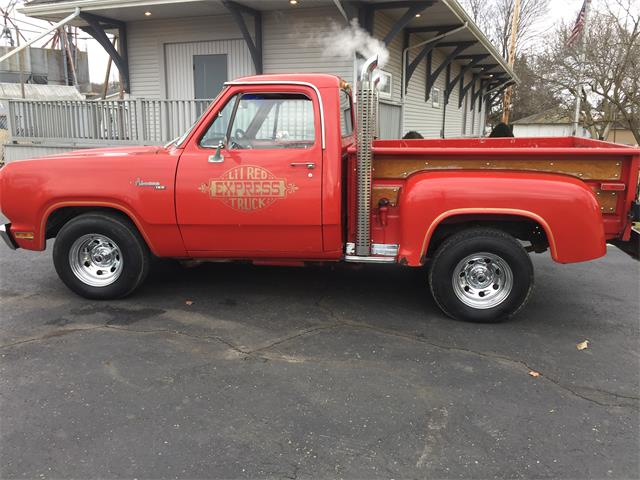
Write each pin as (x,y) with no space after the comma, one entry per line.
(254,45)
(96,28)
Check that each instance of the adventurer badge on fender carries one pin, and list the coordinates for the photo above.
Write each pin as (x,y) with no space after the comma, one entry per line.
(248,188)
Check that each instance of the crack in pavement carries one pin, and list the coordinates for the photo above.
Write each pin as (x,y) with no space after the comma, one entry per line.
(55,333)
(301,333)
(495,356)
(632,400)
(59,333)
(492,356)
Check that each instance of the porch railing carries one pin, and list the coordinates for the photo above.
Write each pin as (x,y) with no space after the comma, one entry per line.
(109,122)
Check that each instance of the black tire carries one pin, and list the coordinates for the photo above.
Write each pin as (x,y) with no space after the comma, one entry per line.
(132,252)
(447,268)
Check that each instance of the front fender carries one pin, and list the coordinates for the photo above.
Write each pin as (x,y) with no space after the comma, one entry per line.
(564,206)
(33,189)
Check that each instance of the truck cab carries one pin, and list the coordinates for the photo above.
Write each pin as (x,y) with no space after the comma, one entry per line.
(261,174)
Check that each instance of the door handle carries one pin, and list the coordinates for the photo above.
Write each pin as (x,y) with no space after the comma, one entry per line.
(309,165)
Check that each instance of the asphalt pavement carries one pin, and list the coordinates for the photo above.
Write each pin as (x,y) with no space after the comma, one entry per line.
(235,371)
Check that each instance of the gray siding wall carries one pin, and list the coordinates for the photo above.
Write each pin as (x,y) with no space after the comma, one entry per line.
(160,54)
(293,42)
(421,115)
(147,41)
(389,112)
(455,115)
(389,121)
(382,25)
(179,63)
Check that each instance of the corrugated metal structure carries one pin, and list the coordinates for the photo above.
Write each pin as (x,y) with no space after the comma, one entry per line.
(39,92)
(43,66)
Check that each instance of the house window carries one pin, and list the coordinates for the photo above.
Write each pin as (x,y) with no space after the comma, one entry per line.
(385,86)
(435,97)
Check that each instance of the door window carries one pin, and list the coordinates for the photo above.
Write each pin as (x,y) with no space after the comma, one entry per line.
(272,121)
(217,131)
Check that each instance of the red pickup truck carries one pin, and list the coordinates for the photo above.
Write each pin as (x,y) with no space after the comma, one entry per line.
(276,173)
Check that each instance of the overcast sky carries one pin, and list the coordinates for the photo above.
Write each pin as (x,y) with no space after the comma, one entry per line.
(566,10)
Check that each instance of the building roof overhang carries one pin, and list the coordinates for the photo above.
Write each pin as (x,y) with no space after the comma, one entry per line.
(440,14)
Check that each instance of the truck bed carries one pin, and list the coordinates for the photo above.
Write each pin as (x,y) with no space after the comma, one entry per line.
(610,170)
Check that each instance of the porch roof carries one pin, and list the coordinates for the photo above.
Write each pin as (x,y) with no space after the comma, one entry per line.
(439,15)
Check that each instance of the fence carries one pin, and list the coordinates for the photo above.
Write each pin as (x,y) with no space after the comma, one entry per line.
(110,122)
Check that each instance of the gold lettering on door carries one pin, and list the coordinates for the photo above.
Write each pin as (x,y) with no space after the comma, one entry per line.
(248,188)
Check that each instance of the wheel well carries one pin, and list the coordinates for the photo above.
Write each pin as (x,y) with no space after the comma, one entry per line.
(522,228)
(58,218)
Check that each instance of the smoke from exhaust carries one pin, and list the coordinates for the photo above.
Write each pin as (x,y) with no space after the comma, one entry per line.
(345,42)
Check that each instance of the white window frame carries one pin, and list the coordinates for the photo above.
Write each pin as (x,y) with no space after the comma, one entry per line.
(435,97)
(389,83)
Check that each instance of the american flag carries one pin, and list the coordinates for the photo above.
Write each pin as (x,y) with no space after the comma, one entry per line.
(579,26)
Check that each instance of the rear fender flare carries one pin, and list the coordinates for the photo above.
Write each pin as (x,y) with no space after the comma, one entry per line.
(564,206)
(507,212)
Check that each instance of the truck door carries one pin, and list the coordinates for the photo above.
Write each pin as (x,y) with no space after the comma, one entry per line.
(249,180)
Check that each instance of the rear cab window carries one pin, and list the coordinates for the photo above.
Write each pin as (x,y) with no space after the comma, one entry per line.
(346,114)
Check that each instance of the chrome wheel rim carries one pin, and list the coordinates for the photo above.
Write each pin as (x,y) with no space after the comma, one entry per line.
(96,260)
(482,280)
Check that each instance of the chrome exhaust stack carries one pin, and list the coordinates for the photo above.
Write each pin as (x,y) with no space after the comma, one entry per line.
(367,109)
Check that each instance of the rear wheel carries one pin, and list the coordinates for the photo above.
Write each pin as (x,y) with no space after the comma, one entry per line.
(100,256)
(481,275)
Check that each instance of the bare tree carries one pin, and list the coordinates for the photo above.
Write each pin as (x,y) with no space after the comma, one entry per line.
(533,94)
(494,18)
(478,10)
(611,68)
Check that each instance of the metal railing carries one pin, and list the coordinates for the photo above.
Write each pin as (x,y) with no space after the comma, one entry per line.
(109,122)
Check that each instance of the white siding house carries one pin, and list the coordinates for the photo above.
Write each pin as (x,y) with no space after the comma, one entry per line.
(166,38)
(550,123)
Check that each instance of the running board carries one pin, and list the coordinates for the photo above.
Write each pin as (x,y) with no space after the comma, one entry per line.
(357,259)
(377,249)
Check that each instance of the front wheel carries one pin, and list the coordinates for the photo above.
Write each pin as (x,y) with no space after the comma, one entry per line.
(481,275)
(100,256)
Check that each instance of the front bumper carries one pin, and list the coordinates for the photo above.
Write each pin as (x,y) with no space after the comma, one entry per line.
(6,236)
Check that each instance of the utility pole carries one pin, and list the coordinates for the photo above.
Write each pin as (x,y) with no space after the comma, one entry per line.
(20,63)
(65,65)
(69,56)
(508,94)
(105,87)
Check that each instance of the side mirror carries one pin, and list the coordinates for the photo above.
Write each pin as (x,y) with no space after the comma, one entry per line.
(218,157)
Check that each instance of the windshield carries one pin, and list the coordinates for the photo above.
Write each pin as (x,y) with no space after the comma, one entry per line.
(177,142)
